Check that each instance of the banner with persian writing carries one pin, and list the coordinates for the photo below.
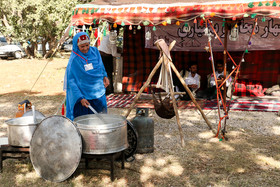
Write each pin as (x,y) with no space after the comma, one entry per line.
(193,38)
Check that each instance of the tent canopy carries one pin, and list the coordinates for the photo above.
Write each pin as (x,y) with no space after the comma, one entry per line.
(161,12)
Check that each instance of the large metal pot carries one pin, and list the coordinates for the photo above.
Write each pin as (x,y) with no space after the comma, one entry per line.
(102,133)
(20,130)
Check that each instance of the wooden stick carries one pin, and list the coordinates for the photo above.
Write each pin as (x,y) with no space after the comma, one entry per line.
(225,61)
(191,95)
(166,61)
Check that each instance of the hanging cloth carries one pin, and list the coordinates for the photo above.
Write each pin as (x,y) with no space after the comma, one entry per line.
(163,76)
(163,79)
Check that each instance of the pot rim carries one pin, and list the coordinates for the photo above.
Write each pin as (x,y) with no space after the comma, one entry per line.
(25,120)
(119,121)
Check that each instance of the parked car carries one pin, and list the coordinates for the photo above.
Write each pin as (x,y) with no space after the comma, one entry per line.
(8,50)
(67,45)
(14,49)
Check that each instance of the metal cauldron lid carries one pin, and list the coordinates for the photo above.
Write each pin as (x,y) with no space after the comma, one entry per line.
(23,121)
(100,121)
(56,148)
(38,114)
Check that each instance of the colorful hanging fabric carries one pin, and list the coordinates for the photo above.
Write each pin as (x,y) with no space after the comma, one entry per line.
(96,33)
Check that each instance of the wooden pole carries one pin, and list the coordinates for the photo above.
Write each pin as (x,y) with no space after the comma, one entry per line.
(166,61)
(225,74)
(191,96)
(225,60)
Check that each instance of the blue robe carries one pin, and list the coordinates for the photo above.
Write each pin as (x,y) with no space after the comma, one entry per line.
(81,83)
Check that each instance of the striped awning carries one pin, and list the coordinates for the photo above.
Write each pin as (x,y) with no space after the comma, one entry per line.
(157,14)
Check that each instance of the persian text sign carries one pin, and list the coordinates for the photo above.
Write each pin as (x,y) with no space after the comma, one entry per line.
(265,37)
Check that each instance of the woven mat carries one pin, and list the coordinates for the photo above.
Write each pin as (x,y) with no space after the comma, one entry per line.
(244,104)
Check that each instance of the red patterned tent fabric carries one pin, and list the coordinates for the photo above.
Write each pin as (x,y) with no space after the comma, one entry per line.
(262,67)
(154,12)
(139,61)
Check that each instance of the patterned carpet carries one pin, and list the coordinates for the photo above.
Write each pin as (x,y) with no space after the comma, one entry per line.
(264,104)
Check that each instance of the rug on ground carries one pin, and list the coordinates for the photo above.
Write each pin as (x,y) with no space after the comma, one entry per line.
(245,104)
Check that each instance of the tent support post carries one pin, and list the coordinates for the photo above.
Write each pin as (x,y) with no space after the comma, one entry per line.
(225,74)
(225,60)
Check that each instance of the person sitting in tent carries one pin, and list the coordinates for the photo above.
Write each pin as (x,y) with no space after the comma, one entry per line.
(211,91)
(86,79)
(191,78)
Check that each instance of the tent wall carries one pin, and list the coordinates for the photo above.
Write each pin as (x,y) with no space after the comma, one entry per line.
(263,66)
(138,62)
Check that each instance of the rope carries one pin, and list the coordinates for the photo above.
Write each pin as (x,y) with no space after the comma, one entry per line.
(37,80)
(60,106)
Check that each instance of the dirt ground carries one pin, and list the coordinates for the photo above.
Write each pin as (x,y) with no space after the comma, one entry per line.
(250,157)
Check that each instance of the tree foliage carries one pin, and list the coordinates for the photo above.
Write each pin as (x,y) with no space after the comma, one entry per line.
(34,21)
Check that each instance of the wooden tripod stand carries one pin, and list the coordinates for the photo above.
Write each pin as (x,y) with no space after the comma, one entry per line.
(166,60)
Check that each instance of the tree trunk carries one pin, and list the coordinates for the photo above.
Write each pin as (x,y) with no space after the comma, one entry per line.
(28,52)
(31,50)
(52,50)
(48,54)
(52,44)
(58,44)
(35,49)
(44,42)
(7,25)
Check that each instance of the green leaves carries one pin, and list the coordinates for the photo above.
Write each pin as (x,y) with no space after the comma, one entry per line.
(33,20)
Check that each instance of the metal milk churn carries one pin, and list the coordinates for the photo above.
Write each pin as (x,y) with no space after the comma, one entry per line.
(144,126)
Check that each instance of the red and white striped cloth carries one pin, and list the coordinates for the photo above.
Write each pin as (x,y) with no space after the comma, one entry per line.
(245,104)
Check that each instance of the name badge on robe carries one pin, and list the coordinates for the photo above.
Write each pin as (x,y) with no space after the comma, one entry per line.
(88,67)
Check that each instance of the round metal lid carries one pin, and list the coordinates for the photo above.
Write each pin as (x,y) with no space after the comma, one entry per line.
(56,148)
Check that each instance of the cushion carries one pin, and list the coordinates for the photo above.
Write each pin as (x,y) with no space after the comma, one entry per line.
(249,88)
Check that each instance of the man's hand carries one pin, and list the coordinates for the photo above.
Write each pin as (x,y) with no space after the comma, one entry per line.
(106,82)
(85,103)
(193,86)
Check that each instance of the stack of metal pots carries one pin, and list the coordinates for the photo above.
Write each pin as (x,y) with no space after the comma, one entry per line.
(57,143)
